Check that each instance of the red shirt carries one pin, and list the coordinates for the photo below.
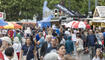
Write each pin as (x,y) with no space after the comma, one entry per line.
(102,42)
(10,32)
(1,56)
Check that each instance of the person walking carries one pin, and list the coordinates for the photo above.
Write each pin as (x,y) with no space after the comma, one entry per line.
(7,42)
(27,51)
(17,46)
(53,47)
(91,41)
(61,52)
(79,45)
(74,41)
(69,46)
(45,46)
(9,53)
(99,55)
(1,49)
(51,56)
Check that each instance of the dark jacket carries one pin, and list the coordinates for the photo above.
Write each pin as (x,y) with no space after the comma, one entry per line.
(54,49)
(43,49)
(69,45)
(91,40)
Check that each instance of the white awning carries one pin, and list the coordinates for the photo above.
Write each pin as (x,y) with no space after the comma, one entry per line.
(98,20)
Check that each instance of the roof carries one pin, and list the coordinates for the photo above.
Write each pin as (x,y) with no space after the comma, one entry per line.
(99,20)
(63,8)
(99,12)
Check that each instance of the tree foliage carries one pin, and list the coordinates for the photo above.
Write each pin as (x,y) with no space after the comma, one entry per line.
(26,9)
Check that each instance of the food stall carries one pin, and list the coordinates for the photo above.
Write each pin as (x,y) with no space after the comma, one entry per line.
(99,17)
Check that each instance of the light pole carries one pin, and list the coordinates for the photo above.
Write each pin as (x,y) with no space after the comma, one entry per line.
(96,3)
(69,4)
(89,10)
(89,4)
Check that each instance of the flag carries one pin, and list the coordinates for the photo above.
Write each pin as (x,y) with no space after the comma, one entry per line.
(47,15)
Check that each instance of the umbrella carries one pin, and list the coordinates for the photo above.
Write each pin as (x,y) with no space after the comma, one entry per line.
(3,23)
(1,27)
(81,25)
(71,23)
(12,26)
(9,26)
(17,26)
(75,25)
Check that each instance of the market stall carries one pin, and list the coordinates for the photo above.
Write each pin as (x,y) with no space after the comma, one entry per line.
(99,17)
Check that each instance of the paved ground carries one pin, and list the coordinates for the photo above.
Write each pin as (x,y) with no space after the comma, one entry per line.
(83,57)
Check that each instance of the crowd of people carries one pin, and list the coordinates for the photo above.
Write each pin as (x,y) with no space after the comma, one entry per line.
(51,44)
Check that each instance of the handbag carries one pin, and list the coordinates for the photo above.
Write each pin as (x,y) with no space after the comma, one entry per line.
(79,49)
(99,42)
(25,57)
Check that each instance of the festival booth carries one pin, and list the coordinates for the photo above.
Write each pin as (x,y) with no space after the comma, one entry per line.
(99,17)
(26,23)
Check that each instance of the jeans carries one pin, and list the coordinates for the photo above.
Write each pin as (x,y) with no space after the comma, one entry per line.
(74,42)
(92,52)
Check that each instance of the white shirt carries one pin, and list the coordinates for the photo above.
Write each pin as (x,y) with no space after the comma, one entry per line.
(97,58)
(49,44)
(75,31)
(5,57)
(44,33)
(63,41)
(4,31)
(67,33)
(17,47)
(0,31)
(27,32)
(80,43)
(73,37)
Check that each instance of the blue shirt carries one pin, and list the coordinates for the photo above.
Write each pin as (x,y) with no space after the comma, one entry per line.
(37,37)
(57,31)
(91,39)
(14,33)
(30,53)
(41,42)
(104,34)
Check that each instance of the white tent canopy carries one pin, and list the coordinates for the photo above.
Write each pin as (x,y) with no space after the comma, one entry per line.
(99,20)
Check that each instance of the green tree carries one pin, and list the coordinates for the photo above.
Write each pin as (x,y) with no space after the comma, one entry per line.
(20,9)
(80,5)
(26,9)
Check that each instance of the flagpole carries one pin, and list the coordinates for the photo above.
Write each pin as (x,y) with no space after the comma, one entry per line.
(96,3)
(89,4)
(69,4)
(89,10)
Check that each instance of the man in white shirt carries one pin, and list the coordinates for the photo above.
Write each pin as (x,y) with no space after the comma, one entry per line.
(74,41)
(27,32)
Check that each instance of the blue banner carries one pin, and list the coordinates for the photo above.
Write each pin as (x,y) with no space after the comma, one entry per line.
(47,15)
